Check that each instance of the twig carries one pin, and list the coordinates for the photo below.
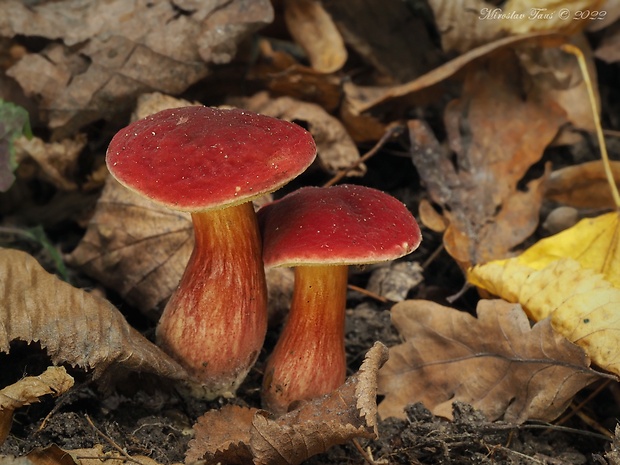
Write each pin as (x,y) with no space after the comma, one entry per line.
(111,442)
(389,132)
(368,293)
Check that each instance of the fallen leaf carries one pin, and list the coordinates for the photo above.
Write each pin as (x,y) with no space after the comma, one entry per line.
(430,217)
(593,242)
(394,280)
(608,48)
(101,56)
(54,455)
(497,131)
(405,53)
(525,16)
(335,148)
(582,186)
(136,247)
(75,327)
(282,74)
(313,28)
(236,435)
(579,302)
(496,362)
(463,27)
(58,161)
(54,381)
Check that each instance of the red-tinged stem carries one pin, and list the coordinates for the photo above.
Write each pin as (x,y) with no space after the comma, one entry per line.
(309,358)
(215,322)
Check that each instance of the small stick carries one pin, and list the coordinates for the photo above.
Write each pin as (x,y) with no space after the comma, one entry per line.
(389,132)
(368,293)
(111,442)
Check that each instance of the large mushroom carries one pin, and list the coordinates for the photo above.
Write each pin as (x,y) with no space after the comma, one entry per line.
(212,163)
(320,231)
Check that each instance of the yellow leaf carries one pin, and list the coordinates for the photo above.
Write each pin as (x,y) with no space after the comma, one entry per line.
(581,303)
(593,242)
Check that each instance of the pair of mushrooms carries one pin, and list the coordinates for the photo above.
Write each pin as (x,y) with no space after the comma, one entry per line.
(212,163)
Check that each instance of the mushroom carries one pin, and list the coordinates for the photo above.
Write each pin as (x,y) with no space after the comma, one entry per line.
(320,231)
(212,163)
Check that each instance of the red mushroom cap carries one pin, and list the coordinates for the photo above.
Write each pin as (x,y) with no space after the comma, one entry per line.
(342,225)
(197,158)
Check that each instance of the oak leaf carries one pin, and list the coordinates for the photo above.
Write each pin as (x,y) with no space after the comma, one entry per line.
(236,435)
(496,362)
(75,327)
(135,246)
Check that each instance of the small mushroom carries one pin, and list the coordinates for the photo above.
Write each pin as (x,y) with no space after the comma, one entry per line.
(212,163)
(320,231)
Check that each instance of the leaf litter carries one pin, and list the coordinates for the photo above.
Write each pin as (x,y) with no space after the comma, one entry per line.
(477,219)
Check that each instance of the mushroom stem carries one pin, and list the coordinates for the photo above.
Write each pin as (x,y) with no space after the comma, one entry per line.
(215,322)
(309,358)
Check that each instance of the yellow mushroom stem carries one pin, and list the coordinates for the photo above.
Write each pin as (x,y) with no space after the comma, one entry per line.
(215,322)
(309,358)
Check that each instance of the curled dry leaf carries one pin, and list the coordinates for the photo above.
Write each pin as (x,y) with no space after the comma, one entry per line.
(54,381)
(582,186)
(497,363)
(336,150)
(101,56)
(312,27)
(75,327)
(135,246)
(236,435)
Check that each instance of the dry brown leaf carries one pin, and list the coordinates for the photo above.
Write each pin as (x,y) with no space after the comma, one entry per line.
(75,327)
(430,217)
(359,99)
(394,280)
(54,381)
(135,246)
(58,161)
(282,74)
(336,150)
(608,49)
(391,36)
(236,435)
(497,363)
(462,24)
(582,186)
(497,131)
(106,54)
(54,455)
(312,27)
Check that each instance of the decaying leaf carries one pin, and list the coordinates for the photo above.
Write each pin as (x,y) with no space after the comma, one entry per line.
(236,435)
(497,363)
(403,54)
(54,381)
(581,304)
(394,280)
(58,161)
(583,186)
(54,455)
(548,15)
(135,246)
(103,55)
(335,148)
(497,131)
(465,26)
(313,28)
(75,327)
